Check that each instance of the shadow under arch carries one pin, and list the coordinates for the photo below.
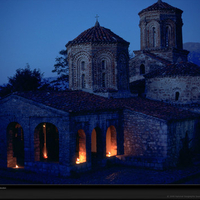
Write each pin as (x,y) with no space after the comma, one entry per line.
(15,145)
(46,142)
(96,146)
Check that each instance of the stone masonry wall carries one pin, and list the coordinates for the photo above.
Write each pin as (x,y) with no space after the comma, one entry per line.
(176,136)
(165,89)
(87,122)
(149,63)
(145,137)
(29,114)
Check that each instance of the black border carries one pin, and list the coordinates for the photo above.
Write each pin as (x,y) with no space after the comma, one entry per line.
(100,192)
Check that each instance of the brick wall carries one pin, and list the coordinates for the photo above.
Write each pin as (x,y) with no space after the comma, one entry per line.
(113,77)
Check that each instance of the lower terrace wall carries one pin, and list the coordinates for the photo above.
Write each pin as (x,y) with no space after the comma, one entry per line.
(178,131)
(145,140)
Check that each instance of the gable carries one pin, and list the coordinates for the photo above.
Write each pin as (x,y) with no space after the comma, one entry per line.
(19,106)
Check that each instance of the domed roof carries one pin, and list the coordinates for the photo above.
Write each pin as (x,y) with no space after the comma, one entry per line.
(159,5)
(97,34)
(178,69)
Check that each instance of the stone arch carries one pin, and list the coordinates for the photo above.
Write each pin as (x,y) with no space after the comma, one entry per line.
(111,141)
(77,70)
(15,145)
(177,95)
(81,147)
(152,34)
(169,33)
(104,75)
(142,69)
(46,142)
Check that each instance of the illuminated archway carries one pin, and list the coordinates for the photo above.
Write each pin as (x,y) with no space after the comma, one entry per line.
(80,147)
(46,143)
(15,145)
(111,141)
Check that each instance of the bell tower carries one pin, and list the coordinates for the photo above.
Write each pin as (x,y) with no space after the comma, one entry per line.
(161,31)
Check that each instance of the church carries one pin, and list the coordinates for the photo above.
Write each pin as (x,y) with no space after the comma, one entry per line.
(141,112)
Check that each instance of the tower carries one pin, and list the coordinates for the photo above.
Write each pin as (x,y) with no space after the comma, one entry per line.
(98,62)
(161,31)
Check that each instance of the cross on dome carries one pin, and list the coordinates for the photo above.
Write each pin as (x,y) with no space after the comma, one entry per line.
(97,16)
(97,23)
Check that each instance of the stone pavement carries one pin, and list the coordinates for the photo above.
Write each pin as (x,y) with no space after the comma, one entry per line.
(111,175)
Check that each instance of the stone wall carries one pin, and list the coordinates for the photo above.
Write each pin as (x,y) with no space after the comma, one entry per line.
(100,121)
(29,114)
(149,63)
(166,88)
(178,131)
(167,25)
(145,138)
(113,76)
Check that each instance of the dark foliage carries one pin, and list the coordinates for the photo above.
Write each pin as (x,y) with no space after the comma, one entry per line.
(23,80)
(61,67)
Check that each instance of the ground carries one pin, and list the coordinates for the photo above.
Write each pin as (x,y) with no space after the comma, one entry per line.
(109,175)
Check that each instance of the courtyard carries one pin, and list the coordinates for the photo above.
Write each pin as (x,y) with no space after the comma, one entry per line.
(109,175)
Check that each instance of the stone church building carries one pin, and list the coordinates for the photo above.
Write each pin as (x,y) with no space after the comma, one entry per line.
(98,120)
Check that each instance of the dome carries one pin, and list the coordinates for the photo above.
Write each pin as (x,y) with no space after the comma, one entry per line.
(97,34)
(159,5)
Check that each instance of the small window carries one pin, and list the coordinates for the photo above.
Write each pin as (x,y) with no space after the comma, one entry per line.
(142,69)
(177,96)
(83,65)
(103,64)
(154,36)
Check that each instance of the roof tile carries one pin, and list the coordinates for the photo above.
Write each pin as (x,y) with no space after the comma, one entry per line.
(79,101)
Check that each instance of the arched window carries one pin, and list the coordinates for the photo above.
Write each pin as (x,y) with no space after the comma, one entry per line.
(15,145)
(103,64)
(46,143)
(83,65)
(83,80)
(177,94)
(80,147)
(154,36)
(142,69)
(111,141)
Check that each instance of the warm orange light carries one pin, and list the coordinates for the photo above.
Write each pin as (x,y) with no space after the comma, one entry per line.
(17,166)
(77,161)
(109,154)
(45,156)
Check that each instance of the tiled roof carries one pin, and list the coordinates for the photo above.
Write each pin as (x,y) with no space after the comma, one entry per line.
(79,101)
(159,5)
(97,34)
(177,69)
(157,58)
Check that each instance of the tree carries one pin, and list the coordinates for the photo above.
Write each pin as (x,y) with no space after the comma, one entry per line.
(61,67)
(23,80)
